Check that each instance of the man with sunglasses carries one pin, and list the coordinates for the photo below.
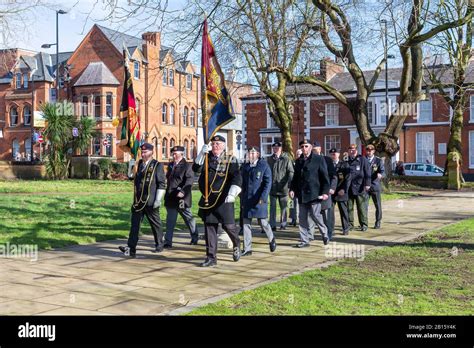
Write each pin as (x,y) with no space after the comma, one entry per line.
(310,185)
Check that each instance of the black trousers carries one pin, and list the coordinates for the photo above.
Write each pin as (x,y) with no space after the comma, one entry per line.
(344,213)
(153,216)
(210,232)
(377,199)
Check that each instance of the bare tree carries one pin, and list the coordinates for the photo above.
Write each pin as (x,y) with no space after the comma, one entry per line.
(456,44)
(335,25)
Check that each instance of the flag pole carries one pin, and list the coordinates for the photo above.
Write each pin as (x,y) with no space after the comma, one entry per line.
(204,110)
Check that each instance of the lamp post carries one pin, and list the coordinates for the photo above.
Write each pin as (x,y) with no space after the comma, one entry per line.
(58,12)
(386,57)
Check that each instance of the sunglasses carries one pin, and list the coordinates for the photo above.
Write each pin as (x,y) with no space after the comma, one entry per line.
(302,146)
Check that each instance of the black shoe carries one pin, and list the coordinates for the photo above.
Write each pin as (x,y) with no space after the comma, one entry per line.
(293,223)
(246,253)
(159,249)
(274,229)
(377,225)
(345,233)
(127,251)
(325,241)
(193,242)
(167,246)
(282,228)
(273,245)
(364,228)
(209,263)
(236,254)
(302,245)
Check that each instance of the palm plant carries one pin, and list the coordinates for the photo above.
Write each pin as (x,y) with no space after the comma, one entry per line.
(85,126)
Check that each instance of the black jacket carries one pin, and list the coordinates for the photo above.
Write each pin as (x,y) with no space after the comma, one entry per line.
(332,181)
(377,167)
(179,178)
(158,182)
(343,173)
(311,179)
(360,175)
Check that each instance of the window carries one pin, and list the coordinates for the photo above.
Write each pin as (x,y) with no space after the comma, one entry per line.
(192,117)
(418,167)
(189,82)
(171,75)
(85,106)
(108,105)
(332,114)
(172,143)
(164,149)
(52,95)
(331,141)
(18,81)
(97,106)
(186,144)
(266,142)
(108,148)
(13,116)
(185,116)
(425,147)
(370,112)
(25,80)
(172,114)
(96,146)
(425,111)
(471,99)
(164,111)
(28,149)
(136,70)
(471,149)
(191,149)
(15,150)
(27,115)
(270,121)
(165,77)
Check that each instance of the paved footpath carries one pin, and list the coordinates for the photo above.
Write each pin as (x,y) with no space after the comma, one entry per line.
(97,280)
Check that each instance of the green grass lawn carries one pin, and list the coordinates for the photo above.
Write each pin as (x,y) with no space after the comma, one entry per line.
(423,277)
(60,213)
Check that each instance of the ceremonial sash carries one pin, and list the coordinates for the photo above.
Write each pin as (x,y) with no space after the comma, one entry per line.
(144,190)
(215,192)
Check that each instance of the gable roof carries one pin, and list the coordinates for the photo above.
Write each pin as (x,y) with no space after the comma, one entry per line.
(96,73)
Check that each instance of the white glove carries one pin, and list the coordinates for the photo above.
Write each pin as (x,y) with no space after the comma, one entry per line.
(233,193)
(159,197)
(200,158)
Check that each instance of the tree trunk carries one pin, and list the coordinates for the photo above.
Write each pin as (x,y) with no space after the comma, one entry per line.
(453,170)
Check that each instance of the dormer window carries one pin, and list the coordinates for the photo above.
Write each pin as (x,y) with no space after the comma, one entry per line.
(136,70)
(25,80)
(18,80)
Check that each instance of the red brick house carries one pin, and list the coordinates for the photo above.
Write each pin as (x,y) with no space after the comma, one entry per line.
(166,89)
(319,116)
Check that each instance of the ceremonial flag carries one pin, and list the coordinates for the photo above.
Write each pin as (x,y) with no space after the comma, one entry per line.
(216,105)
(130,137)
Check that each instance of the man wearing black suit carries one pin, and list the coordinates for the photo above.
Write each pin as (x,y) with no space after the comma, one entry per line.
(149,189)
(327,206)
(179,178)
(378,171)
(360,185)
(310,185)
(341,194)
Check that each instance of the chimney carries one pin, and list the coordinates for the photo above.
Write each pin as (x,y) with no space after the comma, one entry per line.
(329,68)
(152,39)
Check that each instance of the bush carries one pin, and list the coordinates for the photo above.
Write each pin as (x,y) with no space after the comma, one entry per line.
(119,168)
(104,165)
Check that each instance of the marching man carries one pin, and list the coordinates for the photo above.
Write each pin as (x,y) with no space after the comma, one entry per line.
(149,189)
(223,186)
(256,185)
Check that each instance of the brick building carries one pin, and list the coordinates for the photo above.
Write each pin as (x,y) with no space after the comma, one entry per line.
(165,86)
(319,116)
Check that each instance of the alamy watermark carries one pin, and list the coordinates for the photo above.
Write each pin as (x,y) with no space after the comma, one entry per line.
(343,250)
(20,251)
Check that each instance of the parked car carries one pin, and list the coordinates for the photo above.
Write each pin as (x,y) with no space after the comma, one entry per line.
(422,169)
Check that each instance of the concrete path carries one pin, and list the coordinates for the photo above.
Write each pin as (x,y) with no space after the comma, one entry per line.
(97,280)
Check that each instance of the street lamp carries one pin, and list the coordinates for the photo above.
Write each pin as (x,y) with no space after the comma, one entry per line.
(386,57)
(58,12)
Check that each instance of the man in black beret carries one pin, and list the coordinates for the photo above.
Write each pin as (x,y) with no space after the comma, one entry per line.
(179,179)
(149,189)
(223,186)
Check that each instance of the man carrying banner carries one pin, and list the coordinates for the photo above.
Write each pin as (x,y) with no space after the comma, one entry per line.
(220,180)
